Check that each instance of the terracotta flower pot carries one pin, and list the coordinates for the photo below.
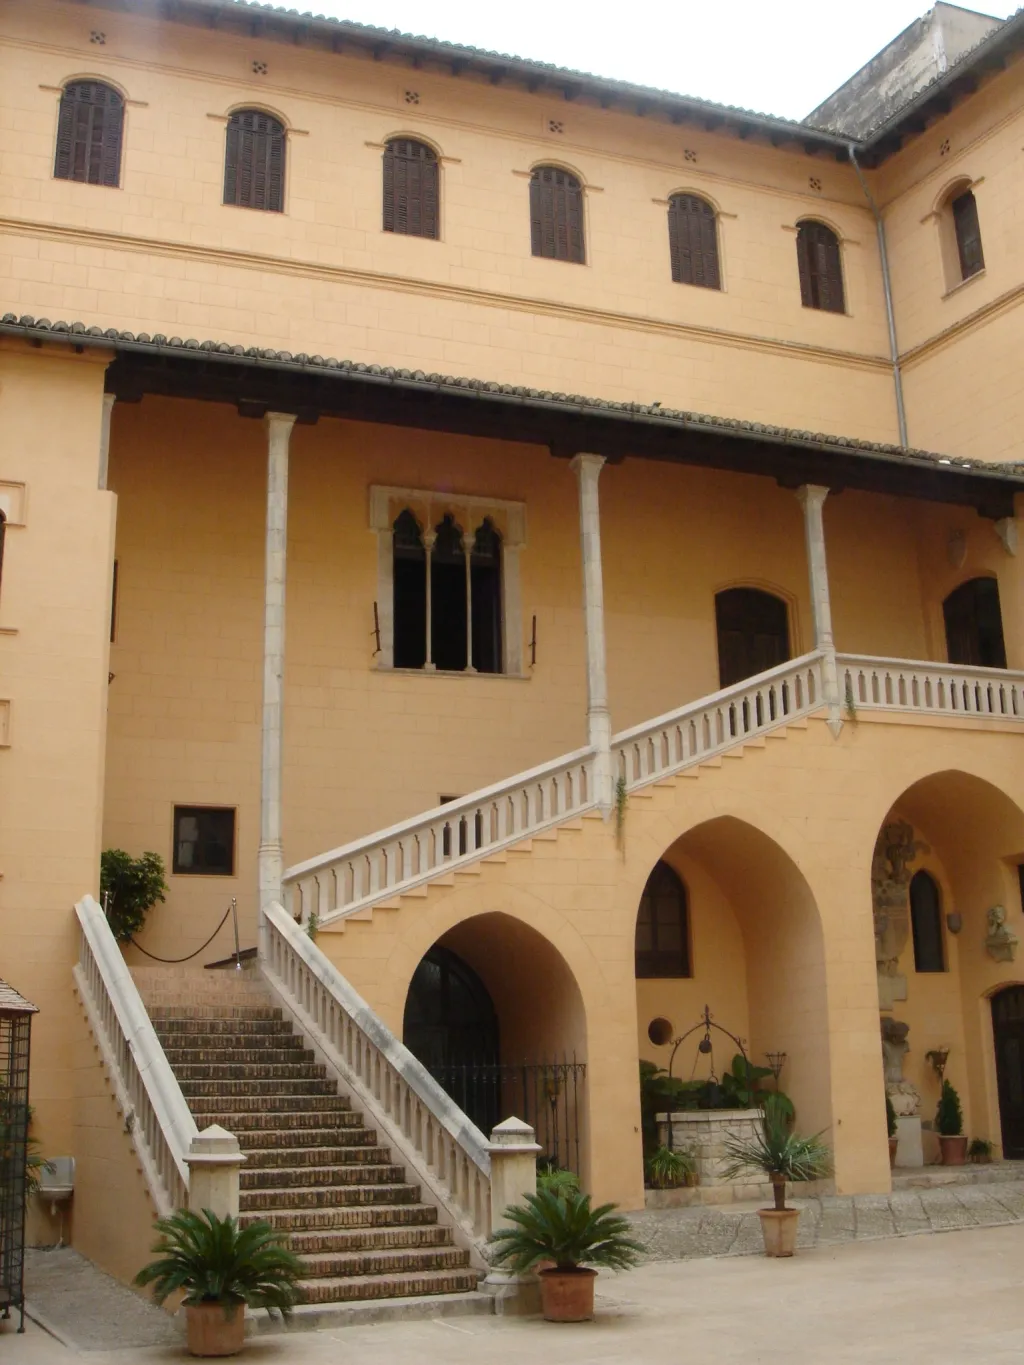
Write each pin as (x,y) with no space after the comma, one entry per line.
(779,1227)
(567,1295)
(954,1150)
(212,1332)
(894,1143)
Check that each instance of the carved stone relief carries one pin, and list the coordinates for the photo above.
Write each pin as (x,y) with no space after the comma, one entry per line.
(895,850)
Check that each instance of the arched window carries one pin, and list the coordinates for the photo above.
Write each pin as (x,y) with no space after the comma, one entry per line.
(926,923)
(485,593)
(662,931)
(90,124)
(410,593)
(963,209)
(556,215)
(753,633)
(460,578)
(3,534)
(254,161)
(693,241)
(410,188)
(821,269)
(974,624)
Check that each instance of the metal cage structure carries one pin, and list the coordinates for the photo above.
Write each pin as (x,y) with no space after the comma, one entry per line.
(15,1032)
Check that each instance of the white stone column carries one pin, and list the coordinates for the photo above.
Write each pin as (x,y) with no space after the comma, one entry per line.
(214,1160)
(599,728)
(109,399)
(429,537)
(514,1152)
(271,853)
(812,500)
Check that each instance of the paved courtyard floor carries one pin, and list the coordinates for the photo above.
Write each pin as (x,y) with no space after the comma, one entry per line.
(952,1299)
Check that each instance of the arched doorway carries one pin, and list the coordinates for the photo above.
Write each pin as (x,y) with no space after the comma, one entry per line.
(451,1026)
(1008,1033)
(753,633)
(974,625)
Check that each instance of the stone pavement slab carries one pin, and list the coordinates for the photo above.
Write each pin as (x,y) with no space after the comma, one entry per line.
(950,1300)
(88,1309)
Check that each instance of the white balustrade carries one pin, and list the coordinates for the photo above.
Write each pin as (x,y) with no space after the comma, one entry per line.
(445,1148)
(156,1114)
(396,859)
(708,727)
(936,689)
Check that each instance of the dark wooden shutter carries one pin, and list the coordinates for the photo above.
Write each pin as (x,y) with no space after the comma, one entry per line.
(90,126)
(821,269)
(254,161)
(556,215)
(693,241)
(968,234)
(410,188)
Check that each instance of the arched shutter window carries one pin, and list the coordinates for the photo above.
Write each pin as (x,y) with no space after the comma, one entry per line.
(254,161)
(662,944)
(3,532)
(90,124)
(693,241)
(821,269)
(411,188)
(556,215)
(968,234)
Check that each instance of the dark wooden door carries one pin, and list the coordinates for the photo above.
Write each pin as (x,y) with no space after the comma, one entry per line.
(1008,1029)
(974,625)
(753,633)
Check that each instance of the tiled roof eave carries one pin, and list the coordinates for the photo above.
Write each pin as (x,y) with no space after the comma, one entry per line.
(81,334)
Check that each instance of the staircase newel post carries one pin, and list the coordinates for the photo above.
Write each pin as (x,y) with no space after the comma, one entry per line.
(514,1151)
(271,855)
(812,500)
(587,469)
(214,1161)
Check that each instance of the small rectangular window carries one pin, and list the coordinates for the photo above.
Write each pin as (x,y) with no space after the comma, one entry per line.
(204,841)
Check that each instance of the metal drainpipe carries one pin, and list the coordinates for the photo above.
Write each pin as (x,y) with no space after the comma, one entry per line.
(894,353)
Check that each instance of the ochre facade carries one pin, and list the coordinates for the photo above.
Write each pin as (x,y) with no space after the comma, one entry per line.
(110,719)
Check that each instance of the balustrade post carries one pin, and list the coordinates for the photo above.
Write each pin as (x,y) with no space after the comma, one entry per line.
(599,727)
(271,853)
(514,1153)
(214,1161)
(812,500)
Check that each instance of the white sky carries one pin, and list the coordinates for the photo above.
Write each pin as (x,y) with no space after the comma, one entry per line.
(774,56)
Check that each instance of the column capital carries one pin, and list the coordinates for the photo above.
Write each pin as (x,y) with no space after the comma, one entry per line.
(811,494)
(589,464)
(279,420)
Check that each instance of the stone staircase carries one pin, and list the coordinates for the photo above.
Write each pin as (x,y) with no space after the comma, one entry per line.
(314,1170)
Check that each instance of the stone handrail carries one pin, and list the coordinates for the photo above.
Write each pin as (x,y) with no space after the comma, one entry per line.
(394,860)
(931,688)
(705,728)
(155,1111)
(445,1149)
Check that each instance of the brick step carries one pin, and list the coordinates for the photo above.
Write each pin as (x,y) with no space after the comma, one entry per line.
(274,1089)
(318,1197)
(280,1054)
(250,1071)
(180,1032)
(389,1287)
(397,1261)
(254,1110)
(334,1219)
(256,1142)
(289,1158)
(320,1177)
(369,1239)
(160,1011)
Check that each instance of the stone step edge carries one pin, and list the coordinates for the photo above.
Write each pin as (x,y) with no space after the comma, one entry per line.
(311,1317)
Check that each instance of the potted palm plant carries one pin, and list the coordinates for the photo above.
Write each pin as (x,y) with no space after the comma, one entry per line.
(221,1267)
(782,1156)
(949,1120)
(571,1239)
(890,1121)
